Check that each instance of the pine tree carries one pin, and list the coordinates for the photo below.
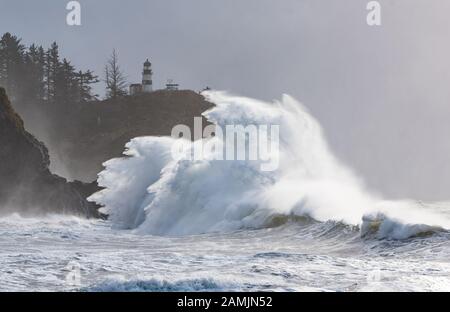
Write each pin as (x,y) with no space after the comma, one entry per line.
(41,66)
(85,80)
(33,75)
(65,84)
(51,71)
(11,64)
(33,80)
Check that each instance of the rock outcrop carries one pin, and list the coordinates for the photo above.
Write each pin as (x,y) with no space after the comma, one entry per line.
(83,138)
(26,184)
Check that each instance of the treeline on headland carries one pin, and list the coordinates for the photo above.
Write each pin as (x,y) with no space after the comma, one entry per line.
(50,93)
(36,74)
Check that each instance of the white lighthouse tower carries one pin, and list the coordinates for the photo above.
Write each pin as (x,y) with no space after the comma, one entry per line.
(147,84)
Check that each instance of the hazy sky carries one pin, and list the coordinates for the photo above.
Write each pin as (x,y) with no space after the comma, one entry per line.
(382,93)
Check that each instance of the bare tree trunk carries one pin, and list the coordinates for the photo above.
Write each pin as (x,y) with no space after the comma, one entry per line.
(114,77)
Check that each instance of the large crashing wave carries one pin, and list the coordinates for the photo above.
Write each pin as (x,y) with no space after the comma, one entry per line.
(152,193)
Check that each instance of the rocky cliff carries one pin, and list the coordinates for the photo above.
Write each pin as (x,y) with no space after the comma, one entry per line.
(83,138)
(26,183)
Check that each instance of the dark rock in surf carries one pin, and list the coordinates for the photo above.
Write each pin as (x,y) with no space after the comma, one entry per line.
(26,183)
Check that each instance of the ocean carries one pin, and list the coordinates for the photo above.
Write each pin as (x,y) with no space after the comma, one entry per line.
(206,224)
(71,254)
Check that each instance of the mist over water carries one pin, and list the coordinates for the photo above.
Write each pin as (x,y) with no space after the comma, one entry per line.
(155,194)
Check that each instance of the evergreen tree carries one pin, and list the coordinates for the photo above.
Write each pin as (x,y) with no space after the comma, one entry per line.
(11,63)
(32,75)
(51,71)
(33,80)
(41,66)
(65,84)
(85,81)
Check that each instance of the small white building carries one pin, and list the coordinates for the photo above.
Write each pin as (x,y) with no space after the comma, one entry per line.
(135,88)
(171,86)
(147,82)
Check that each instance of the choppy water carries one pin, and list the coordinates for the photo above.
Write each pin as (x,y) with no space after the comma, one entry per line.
(45,254)
(208,224)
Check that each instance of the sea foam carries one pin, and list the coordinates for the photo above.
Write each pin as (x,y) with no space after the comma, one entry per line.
(153,193)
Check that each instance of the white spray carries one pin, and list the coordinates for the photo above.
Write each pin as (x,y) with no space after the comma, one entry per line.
(155,194)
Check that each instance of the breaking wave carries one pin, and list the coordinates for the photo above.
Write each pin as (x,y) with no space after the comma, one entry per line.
(152,193)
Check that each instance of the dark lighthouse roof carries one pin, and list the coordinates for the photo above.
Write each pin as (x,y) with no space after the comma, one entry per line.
(147,63)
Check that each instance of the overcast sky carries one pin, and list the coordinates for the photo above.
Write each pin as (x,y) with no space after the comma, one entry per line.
(382,93)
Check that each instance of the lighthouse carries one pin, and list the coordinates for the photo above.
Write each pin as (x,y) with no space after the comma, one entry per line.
(147,84)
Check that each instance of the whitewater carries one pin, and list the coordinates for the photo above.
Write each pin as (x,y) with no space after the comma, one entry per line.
(206,224)
(153,193)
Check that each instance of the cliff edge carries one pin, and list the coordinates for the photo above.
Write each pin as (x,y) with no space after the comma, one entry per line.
(84,138)
(26,184)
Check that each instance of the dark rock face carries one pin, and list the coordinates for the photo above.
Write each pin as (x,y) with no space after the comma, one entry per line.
(98,131)
(26,183)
